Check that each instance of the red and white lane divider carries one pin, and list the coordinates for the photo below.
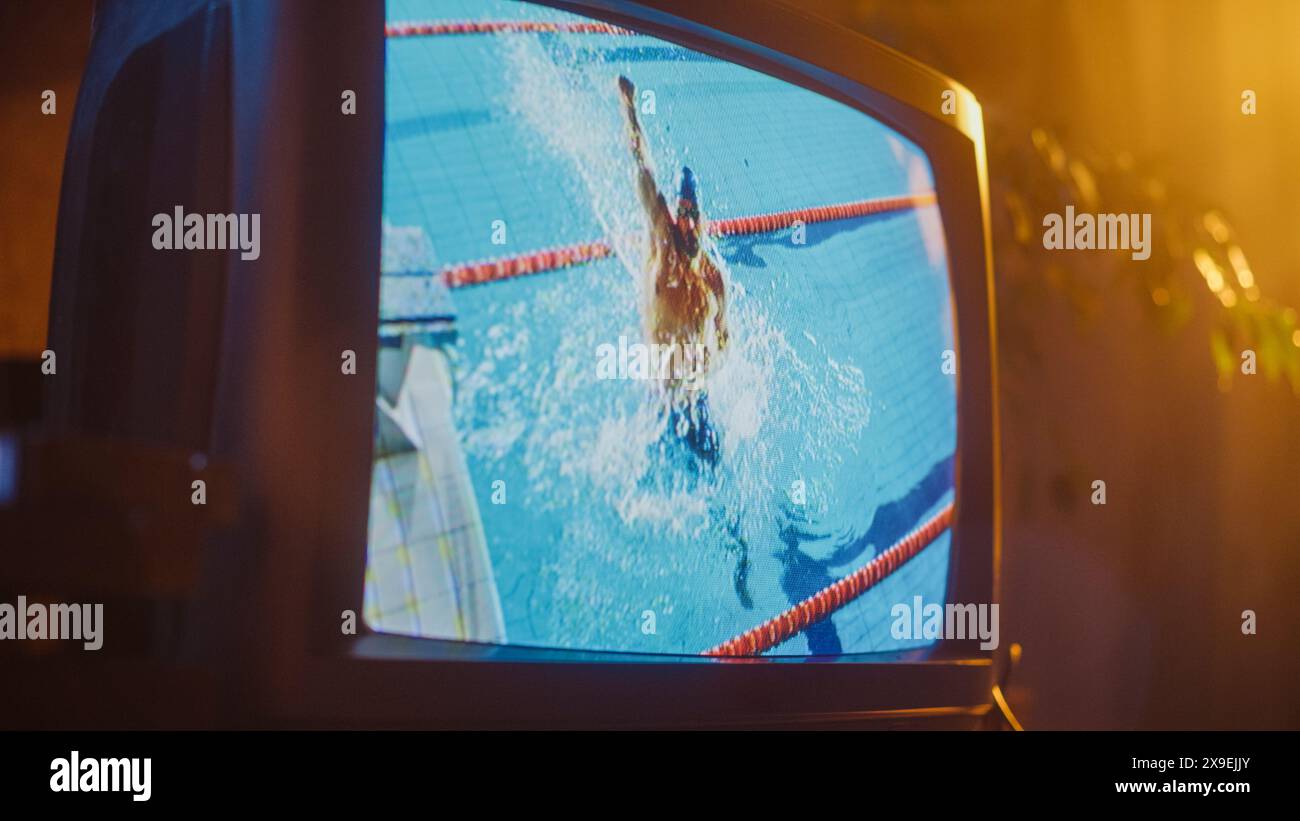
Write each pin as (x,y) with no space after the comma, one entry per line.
(775,221)
(550,259)
(534,262)
(433,28)
(826,601)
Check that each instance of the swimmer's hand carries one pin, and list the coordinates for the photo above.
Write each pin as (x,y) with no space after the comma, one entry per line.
(629,111)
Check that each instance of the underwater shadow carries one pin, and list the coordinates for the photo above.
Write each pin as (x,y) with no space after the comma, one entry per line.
(804,576)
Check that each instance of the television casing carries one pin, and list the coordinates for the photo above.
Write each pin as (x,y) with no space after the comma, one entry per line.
(260,364)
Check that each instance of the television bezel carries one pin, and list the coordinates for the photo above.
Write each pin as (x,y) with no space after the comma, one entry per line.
(371,679)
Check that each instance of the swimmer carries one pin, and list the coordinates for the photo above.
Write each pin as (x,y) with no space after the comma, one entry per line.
(684,296)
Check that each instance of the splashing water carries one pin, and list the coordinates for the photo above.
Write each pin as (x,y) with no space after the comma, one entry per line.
(572,109)
(601,470)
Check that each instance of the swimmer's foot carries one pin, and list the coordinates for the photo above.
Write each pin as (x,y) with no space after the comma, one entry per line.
(741,581)
(741,577)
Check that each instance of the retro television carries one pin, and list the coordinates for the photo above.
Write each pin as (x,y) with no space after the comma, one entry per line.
(436,382)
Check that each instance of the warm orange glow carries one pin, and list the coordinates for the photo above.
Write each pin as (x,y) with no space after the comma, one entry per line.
(1209,269)
(1216,226)
(1245,276)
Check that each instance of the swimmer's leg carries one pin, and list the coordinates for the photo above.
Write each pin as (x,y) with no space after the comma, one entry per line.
(700,433)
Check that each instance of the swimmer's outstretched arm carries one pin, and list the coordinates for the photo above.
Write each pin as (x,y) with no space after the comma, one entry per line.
(651,200)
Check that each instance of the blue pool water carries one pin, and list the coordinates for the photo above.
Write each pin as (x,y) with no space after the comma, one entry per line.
(833,378)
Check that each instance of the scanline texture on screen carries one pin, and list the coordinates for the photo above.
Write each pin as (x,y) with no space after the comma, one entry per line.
(518,498)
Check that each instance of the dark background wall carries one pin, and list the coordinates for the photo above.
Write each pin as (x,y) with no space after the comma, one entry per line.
(42,46)
(1129,612)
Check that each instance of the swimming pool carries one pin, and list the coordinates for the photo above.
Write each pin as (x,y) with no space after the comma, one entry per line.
(593,526)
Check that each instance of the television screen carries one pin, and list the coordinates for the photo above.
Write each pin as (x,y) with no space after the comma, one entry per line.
(666,350)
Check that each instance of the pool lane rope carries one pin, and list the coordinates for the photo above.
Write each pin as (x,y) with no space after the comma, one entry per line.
(550,259)
(836,595)
(432,28)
